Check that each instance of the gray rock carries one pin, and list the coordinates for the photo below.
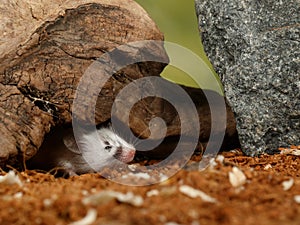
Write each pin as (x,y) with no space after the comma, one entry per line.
(255,48)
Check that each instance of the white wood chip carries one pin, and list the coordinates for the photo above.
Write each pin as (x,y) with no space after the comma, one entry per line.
(47,202)
(168,191)
(140,175)
(195,193)
(236,177)
(90,218)
(287,184)
(163,177)
(106,196)
(212,163)
(153,192)
(220,159)
(133,167)
(145,176)
(84,192)
(18,195)
(268,166)
(10,178)
(290,152)
(297,199)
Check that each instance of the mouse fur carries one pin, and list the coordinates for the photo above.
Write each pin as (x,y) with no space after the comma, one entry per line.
(60,150)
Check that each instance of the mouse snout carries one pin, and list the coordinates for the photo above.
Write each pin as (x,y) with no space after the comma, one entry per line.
(128,155)
(125,155)
(131,154)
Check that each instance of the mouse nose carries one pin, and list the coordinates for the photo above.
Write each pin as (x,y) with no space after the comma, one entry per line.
(129,155)
(125,155)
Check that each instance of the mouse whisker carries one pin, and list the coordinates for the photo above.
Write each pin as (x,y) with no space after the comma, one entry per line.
(137,139)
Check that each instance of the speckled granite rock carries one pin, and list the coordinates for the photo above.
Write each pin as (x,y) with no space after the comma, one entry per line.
(255,48)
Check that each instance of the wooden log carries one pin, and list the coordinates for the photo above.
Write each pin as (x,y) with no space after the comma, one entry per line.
(45,48)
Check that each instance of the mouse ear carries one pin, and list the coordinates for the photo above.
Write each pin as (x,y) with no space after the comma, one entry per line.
(70,142)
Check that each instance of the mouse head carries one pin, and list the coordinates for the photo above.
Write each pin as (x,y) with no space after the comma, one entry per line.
(115,145)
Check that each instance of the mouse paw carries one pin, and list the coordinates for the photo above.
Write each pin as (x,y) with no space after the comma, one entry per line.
(68,170)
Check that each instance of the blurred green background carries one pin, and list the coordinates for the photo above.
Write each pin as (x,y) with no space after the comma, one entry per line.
(178,21)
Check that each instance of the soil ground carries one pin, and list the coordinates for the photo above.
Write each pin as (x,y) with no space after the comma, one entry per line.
(44,199)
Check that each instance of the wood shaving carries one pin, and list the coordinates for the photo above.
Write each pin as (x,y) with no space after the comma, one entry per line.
(47,202)
(287,184)
(140,175)
(90,218)
(168,191)
(106,196)
(297,199)
(268,166)
(18,195)
(11,178)
(212,163)
(236,177)
(220,159)
(163,178)
(290,151)
(195,193)
(152,193)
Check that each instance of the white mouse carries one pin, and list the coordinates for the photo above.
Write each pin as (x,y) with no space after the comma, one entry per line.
(61,151)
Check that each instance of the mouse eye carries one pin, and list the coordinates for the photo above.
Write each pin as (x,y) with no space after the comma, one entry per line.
(106,143)
(107,147)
